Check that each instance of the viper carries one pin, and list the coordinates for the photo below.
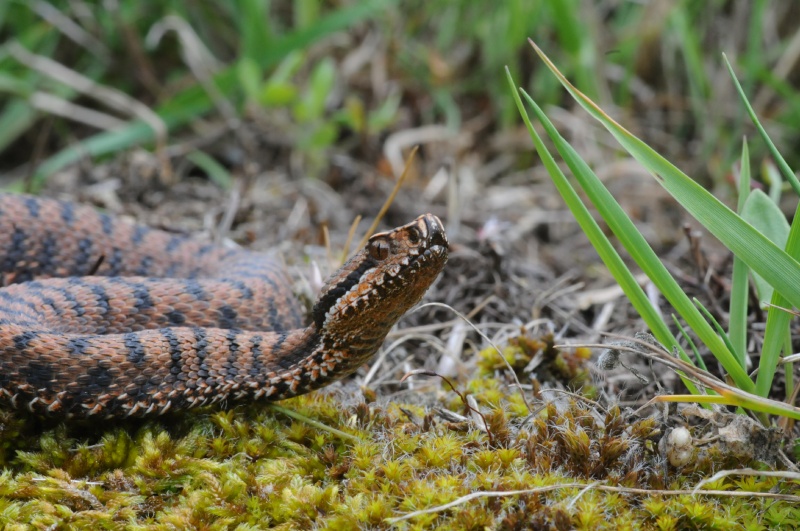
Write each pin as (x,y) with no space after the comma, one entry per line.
(101,317)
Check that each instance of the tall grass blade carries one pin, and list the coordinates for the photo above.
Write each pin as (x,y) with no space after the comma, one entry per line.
(737,320)
(641,252)
(760,254)
(763,214)
(786,171)
(777,320)
(605,250)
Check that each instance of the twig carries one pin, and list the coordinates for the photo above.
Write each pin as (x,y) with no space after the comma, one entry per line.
(350,234)
(390,199)
(747,472)
(96,267)
(311,422)
(605,488)
(485,338)
(463,398)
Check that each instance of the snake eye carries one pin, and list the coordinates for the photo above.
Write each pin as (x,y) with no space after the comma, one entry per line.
(413,235)
(378,249)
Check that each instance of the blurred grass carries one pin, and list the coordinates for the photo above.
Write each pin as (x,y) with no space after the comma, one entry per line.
(657,64)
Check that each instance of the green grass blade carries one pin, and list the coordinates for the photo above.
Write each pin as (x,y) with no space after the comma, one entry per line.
(772,176)
(641,252)
(786,171)
(607,253)
(738,399)
(760,254)
(737,320)
(718,327)
(777,323)
(777,320)
(17,114)
(682,330)
(763,214)
(788,367)
(216,172)
(253,28)
(577,41)
(16,118)
(692,50)
(306,11)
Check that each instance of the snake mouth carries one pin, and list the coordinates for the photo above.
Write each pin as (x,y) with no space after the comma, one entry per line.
(435,245)
(431,255)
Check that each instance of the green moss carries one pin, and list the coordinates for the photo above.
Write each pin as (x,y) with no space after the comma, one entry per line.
(252,468)
(539,358)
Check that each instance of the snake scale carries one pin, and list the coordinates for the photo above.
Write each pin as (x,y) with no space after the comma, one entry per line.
(101,318)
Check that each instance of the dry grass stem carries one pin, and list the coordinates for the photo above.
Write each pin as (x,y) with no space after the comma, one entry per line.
(746,472)
(606,488)
(426,339)
(396,142)
(71,30)
(350,235)
(108,96)
(311,422)
(55,105)
(390,199)
(485,338)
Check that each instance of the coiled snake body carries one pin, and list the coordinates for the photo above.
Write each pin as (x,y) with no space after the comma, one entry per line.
(169,323)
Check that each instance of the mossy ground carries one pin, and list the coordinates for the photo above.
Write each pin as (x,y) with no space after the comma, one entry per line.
(254,468)
(437,62)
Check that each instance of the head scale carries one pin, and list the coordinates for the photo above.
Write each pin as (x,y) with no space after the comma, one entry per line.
(382,281)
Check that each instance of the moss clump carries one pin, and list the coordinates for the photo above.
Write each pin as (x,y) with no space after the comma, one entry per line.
(253,468)
(538,359)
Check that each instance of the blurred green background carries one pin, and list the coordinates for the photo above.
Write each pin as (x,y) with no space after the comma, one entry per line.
(82,80)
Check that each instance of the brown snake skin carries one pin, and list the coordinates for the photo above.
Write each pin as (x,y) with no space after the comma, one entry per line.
(168,323)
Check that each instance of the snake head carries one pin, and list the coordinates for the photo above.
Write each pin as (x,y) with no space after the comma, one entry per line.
(369,293)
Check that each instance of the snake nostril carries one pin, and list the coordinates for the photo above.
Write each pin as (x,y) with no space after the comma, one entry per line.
(436,234)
